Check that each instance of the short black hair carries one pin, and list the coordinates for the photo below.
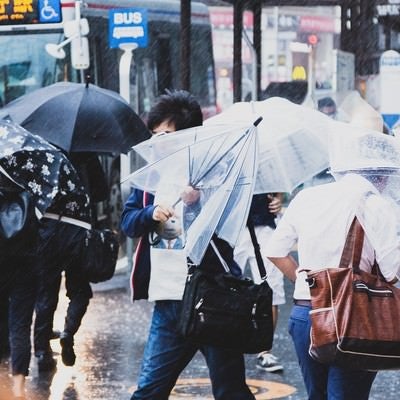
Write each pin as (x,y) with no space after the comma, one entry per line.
(178,107)
(326,102)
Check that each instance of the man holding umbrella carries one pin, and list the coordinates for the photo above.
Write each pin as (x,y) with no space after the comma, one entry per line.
(159,274)
(318,220)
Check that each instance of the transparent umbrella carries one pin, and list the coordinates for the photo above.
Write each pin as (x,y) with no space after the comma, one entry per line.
(220,166)
(293,141)
(288,146)
(375,157)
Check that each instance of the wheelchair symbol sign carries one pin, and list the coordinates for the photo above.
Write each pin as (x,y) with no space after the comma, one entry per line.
(49,11)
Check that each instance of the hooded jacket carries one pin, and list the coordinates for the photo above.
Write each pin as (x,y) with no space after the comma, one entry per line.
(137,221)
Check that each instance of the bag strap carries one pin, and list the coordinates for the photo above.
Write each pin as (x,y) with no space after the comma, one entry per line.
(257,252)
(67,220)
(221,259)
(353,246)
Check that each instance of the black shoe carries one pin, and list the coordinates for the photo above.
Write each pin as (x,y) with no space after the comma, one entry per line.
(46,362)
(67,349)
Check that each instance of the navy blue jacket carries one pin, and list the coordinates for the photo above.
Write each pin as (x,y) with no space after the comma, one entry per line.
(137,221)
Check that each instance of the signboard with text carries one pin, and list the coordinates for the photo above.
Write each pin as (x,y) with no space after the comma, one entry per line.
(128,25)
(30,12)
(343,71)
(387,8)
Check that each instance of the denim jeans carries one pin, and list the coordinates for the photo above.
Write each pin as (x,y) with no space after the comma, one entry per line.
(167,353)
(324,382)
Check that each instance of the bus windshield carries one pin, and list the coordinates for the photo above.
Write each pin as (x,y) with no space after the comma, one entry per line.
(25,65)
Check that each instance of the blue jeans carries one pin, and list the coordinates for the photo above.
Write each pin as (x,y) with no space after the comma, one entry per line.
(167,353)
(324,382)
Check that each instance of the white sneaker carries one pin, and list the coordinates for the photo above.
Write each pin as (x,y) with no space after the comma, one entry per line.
(268,362)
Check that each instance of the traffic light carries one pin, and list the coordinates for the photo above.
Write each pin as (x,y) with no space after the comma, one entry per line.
(312,40)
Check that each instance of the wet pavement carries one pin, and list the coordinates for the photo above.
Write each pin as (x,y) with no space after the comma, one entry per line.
(109,346)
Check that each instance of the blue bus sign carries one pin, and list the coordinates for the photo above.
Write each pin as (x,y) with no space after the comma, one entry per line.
(128,25)
(28,12)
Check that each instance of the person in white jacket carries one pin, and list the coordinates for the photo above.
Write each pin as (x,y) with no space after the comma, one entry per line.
(317,220)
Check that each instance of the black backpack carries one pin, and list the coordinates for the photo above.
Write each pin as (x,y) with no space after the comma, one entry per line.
(99,254)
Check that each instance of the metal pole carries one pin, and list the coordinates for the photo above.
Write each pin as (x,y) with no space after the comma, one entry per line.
(347,26)
(388,39)
(185,44)
(311,73)
(257,8)
(237,49)
(276,31)
(124,70)
(368,39)
(125,159)
(253,66)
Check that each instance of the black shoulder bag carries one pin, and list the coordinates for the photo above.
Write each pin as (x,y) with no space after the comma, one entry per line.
(16,212)
(99,254)
(223,310)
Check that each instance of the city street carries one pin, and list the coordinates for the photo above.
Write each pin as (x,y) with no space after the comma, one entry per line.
(274,96)
(109,347)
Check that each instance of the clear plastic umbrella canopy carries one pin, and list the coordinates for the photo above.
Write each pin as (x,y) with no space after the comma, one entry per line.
(220,163)
(293,141)
(375,157)
(228,162)
(358,112)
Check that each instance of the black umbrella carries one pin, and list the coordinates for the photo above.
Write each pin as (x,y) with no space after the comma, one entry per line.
(43,171)
(79,117)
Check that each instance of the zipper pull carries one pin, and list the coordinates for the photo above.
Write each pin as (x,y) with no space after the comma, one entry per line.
(253,314)
(201,316)
(198,305)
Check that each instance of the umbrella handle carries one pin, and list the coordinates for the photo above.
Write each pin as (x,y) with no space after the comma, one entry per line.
(176,203)
(154,240)
(180,198)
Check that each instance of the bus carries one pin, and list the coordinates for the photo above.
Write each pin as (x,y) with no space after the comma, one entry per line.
(26,28)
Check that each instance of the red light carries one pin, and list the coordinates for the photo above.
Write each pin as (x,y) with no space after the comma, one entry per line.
(312,40)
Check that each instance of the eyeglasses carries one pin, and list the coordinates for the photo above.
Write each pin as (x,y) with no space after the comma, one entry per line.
(157,134)
(161,133)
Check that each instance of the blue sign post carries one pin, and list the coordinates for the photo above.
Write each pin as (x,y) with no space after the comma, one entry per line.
(128,25)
